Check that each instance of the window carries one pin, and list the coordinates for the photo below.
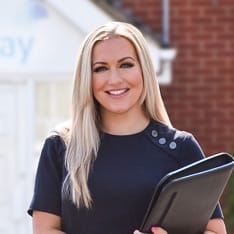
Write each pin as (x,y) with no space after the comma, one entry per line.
(53,101)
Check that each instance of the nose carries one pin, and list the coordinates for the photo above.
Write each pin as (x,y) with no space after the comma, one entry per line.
(114,77)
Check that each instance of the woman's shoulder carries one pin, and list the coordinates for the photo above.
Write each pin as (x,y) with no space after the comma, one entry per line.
(169,132)
(181,145)
(61,130)
(56,141)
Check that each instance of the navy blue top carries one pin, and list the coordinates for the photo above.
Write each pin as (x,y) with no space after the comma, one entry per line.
(122,179)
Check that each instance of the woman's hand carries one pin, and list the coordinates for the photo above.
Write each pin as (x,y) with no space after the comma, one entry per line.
(215,226)
(155,230)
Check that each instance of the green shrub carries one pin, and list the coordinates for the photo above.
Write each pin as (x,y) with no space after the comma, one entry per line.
(228,205)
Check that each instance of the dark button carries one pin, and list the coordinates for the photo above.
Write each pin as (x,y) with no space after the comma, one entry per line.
(162,141)
(154,133)
(172,145)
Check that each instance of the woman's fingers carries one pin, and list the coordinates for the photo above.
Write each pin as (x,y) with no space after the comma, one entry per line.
(138,232)
(155,230)
(158,230)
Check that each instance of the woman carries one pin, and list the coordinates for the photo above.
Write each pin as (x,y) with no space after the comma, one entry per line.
(98,174)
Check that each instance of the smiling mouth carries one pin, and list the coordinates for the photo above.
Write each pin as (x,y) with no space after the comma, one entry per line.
(117,92)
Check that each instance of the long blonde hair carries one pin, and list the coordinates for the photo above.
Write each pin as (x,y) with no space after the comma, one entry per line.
(83,140)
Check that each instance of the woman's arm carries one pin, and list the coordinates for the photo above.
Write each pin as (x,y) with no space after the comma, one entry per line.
(216,226)
(46,223)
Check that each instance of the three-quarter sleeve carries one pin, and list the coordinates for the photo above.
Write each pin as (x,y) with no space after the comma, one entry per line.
(48,181)
(191,152)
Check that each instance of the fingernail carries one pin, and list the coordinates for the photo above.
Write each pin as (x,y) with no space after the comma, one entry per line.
(154,229)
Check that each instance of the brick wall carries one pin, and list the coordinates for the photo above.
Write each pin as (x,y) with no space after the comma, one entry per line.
(200,98)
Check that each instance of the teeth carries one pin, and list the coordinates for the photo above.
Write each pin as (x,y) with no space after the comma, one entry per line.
(117,92)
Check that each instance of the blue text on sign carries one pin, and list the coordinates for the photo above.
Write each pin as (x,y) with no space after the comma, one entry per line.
(16,46)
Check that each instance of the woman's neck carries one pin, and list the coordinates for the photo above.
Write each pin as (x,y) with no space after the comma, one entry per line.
(124,124)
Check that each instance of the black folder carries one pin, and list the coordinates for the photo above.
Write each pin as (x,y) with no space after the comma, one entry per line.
(185,199)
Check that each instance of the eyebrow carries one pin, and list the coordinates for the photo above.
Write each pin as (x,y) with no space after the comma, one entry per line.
(119,61)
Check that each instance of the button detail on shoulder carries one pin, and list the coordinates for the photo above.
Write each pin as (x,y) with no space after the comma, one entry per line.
(154,133)
(172,145)
(162,141)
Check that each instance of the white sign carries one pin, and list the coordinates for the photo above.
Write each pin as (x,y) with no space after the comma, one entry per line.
(35,39)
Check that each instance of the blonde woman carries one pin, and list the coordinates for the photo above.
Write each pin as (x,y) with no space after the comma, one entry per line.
(97,175)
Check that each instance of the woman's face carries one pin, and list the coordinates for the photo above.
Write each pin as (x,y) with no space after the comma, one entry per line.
(117,81)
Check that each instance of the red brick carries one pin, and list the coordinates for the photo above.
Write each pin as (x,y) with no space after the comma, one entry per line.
(189,11)
(201,54)
(215,45)
(201,3)
(226,36)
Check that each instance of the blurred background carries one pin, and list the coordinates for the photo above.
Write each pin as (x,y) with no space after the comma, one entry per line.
(192,46)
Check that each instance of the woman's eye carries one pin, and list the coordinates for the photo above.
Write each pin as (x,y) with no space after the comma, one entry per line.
(126,65)
(99,69)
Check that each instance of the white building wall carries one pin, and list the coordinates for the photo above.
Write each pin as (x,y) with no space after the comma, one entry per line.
(32,50)
(14,160)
